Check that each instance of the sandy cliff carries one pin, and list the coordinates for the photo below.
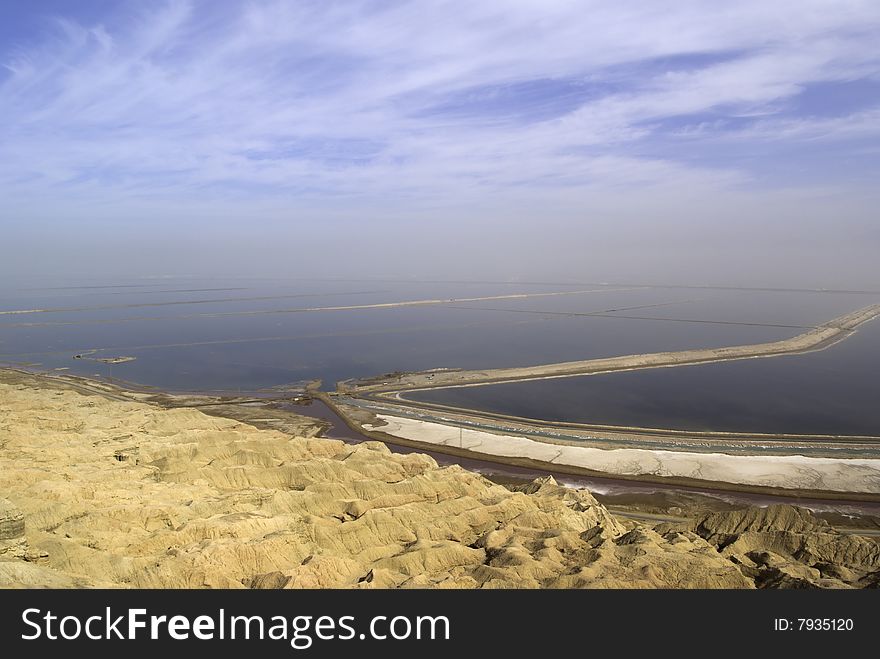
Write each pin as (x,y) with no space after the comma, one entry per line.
(99,492)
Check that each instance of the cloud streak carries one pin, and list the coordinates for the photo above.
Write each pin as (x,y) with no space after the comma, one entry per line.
(395,108)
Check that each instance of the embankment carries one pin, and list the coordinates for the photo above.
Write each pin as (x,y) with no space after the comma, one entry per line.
(816,338)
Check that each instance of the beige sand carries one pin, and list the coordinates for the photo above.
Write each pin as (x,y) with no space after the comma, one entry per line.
(112,492)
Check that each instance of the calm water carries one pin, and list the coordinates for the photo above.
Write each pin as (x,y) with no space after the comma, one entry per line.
(228,335)
(835,391)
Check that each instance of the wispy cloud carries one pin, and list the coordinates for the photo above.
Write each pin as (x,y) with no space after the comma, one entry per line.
(421,102)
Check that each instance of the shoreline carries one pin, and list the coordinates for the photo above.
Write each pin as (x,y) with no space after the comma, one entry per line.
(712,487)
(768,462)
(608,435)
(204,402)
(777,473)
(818,338)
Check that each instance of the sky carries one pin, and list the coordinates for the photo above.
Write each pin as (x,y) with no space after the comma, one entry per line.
(687,141)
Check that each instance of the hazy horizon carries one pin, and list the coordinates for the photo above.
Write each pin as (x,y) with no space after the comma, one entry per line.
(547,141)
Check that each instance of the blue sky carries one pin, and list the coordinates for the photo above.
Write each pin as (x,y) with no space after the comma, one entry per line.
(399,113)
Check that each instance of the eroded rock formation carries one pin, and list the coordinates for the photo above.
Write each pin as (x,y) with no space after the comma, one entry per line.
(787,546)
(113,493)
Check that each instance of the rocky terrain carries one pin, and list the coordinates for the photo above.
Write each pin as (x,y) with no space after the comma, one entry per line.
(102,492)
